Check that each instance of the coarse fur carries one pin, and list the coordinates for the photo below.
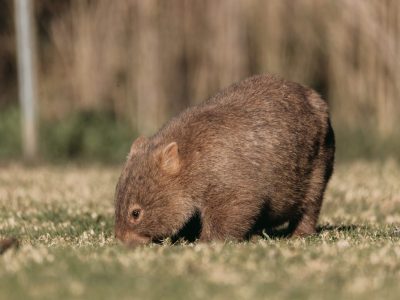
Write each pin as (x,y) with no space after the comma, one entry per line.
(261,145)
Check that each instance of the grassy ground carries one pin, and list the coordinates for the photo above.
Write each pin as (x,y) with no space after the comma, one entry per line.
(63,217)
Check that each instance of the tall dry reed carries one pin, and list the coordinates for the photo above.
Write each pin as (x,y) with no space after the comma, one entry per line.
(146,60)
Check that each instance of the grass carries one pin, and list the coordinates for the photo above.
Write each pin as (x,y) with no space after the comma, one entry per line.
(63,217)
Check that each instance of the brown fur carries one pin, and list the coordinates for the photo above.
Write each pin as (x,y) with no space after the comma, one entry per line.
(263,144)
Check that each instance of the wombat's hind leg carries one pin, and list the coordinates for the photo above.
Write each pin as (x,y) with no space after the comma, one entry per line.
(303,226)
(305,223)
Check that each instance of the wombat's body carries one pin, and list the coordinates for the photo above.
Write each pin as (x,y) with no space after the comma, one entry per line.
(263,144)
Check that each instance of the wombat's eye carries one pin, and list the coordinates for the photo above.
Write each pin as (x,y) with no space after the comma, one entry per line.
(135,214)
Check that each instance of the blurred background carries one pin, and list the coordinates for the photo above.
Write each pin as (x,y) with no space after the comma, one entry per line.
(110,70)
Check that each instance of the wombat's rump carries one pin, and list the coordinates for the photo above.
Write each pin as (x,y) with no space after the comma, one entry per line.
(263,144)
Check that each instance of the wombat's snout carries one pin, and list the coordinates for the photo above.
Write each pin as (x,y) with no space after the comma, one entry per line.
(131,238)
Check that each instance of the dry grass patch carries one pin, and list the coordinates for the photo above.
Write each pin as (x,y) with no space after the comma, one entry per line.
(63,219)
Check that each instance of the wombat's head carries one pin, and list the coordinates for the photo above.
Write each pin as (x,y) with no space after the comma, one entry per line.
(150,202)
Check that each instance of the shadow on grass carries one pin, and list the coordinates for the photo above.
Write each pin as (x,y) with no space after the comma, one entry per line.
(356,229)
(340,228)
(191,231)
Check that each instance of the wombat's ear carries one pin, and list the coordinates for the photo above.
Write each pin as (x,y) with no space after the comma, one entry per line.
(169,156)
(137,144)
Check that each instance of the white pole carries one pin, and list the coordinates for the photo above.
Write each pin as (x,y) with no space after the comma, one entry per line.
(26,76)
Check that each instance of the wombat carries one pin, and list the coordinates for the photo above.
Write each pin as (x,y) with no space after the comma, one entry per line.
(263,144)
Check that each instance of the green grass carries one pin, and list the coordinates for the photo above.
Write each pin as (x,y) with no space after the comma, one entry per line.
(82,136)
(63,218)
